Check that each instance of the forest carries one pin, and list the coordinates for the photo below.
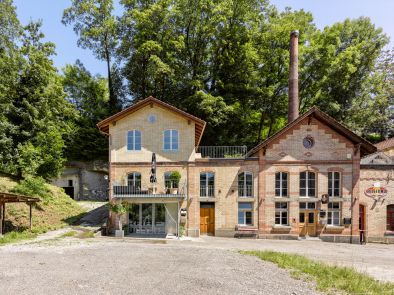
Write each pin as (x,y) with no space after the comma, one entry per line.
(225,61)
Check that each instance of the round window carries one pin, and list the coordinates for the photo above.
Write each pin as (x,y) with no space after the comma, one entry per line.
(308,142)
(151,118)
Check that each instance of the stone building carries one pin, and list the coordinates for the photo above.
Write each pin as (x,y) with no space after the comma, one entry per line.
(84,180)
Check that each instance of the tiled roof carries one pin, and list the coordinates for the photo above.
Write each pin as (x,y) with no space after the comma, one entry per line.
(383,145)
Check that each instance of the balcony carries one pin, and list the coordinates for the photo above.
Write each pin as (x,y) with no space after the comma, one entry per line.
(222,152)
(129,192)
(207,191)
(245,191)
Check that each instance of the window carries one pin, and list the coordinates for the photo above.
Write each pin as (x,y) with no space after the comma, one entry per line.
(169,181)
(171,140)
(334,213)
(70,182)
(245,184)
(134,180)
(245,213)
(334,184)
(281,184)
(307,184)
(390,217)
(134,140)
(281,213)
(207,184)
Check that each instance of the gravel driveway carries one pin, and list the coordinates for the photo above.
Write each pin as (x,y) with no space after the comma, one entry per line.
(109,266)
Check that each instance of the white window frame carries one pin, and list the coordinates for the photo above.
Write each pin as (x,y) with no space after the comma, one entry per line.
(331,211)
(206,187)
(331,176)
(133,138)
(171,149)
(243,193)
(281,184)
(307,188)
(281,211)
(243,211)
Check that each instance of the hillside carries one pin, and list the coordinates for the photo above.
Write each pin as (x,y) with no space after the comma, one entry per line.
(55,210)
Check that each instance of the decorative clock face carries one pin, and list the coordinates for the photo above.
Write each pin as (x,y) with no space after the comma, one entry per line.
(308,142)
(151,118)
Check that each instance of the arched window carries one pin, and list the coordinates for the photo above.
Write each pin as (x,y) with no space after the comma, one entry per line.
(307,184)
(134,140)
(207,184)
(170,141)
(390,217)
(281,184)
(245,184)
(134,181)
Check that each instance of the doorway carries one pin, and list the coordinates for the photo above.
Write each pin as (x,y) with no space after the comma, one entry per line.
(207,219)
(307,222)
(147,218)
(362,225)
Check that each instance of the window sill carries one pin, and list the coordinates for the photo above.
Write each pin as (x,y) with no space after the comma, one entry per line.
(280,226)
(389,233)
(335,227)
(245,199)
(170,151)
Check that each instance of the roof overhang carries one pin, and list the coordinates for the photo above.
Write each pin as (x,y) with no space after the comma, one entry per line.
(199,124)
(365,146)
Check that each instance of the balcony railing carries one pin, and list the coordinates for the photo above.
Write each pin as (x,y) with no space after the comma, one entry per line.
(207,191)
(222,152)
(134,191)
(245,191)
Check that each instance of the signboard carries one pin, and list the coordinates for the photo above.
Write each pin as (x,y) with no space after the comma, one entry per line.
(376,191)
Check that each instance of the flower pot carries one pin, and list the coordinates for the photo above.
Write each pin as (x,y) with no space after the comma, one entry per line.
(174,191)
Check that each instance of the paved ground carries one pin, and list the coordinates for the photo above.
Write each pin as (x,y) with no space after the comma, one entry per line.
(202,266)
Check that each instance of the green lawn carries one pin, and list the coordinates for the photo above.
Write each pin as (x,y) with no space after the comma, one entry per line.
(329,279)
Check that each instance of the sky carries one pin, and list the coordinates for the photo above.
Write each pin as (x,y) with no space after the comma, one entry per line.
(325,12)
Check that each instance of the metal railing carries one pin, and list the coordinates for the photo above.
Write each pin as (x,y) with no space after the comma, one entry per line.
(123,191)
(207,191)
(222,152)
(245,191)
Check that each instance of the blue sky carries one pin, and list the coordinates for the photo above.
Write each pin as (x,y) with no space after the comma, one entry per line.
(325,12)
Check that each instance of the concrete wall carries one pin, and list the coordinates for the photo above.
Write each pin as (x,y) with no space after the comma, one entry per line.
(152,136)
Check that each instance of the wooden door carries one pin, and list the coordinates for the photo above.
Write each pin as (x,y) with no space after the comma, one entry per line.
(207,221)
(307,223)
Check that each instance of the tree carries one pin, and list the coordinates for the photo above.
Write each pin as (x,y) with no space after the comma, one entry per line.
(89,95)
(97,29)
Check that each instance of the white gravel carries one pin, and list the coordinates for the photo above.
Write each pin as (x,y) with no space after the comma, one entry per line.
(109,266)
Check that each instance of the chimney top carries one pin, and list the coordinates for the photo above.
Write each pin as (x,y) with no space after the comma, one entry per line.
(295,33)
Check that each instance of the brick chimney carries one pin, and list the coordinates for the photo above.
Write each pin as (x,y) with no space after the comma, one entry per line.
(293,78)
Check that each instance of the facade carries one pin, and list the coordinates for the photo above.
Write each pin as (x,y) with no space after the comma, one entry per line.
(305,181)
(84,180)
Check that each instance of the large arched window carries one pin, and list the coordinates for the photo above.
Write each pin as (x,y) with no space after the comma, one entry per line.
(134,181)
(134,140)
(390,217)
(308,184)
(245,184)
(207,184)
(281,184)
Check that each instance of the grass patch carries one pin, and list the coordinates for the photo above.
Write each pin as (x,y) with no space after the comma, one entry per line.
(86,235)
(14,236)
(68,234)
(56,209)
(328,278)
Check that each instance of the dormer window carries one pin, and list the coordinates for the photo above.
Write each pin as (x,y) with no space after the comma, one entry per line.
(134,140)
(170,140)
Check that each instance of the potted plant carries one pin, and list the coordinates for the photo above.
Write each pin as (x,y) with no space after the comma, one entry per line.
(175,177)
(119,209)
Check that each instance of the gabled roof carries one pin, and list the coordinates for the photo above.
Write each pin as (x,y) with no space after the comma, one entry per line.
(389,143)
(199,127)
(378,158)
(365,146)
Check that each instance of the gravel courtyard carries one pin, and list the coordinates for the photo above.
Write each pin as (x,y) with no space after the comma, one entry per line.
(129,266)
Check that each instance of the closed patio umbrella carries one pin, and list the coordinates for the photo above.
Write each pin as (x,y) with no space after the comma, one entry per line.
(153,178)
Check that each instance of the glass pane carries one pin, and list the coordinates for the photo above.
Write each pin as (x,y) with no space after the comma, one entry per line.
(249,179)
(211,178)
(248,218)
(241,218)
(311,217)
(134,214)
(160,214)
(302,205)
(244,206)
(284,192)
(302,217)
(277,192)
(284,218)
(147,214)
(311,205)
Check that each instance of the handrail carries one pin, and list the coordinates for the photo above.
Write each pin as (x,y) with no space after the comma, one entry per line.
(222,152)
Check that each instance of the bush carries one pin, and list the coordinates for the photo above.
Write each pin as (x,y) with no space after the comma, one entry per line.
(33,187)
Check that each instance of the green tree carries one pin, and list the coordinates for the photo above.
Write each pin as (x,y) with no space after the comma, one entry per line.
(89,95)
(93,21)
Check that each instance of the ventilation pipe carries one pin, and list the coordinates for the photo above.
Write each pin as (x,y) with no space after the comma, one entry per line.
(293,78)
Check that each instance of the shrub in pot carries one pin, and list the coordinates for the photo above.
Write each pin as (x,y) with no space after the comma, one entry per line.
(175,177)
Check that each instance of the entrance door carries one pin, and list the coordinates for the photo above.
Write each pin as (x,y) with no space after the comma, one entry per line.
(307,223)
(207,219)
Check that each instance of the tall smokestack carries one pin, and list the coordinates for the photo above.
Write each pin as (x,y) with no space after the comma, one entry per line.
(293,78)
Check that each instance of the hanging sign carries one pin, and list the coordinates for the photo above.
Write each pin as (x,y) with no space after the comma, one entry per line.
(376,191)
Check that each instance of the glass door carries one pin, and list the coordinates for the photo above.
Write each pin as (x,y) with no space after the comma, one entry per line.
(134,218)
(146,215)
(160,219)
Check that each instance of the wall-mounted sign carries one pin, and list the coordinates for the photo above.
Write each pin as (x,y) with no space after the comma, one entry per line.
(376,191)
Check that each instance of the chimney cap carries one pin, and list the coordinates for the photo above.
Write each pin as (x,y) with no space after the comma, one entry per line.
(295,33)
